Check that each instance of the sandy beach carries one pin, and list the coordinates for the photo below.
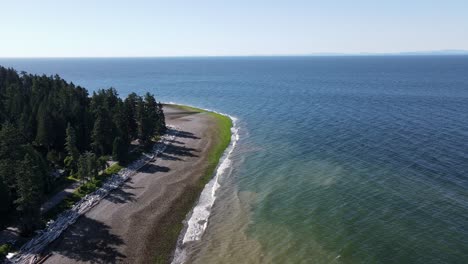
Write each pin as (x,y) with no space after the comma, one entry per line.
(133,223)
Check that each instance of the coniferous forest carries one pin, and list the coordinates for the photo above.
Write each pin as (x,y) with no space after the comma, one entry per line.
(50,125)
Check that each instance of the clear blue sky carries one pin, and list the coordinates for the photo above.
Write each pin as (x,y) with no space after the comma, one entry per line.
(104,28)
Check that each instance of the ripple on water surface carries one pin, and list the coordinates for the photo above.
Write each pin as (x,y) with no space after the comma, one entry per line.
(340,159)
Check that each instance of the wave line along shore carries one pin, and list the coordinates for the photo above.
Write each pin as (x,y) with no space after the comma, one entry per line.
(141,221)
(197,220)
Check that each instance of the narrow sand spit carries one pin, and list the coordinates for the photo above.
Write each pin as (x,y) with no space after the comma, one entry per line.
(127,225)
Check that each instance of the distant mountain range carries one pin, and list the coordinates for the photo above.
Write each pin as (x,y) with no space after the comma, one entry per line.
(432,52)
(406,53)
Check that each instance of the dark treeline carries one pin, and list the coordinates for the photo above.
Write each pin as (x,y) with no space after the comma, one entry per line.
(49,124)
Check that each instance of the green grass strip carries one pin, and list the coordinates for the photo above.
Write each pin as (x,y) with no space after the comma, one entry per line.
(87,188)
(172,225)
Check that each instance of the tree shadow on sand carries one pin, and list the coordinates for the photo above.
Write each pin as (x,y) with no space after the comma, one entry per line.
(89,241)
(181,134)
(165,156)
(173,141)
(184,134)
(153,168)
(121,195)
(181,151)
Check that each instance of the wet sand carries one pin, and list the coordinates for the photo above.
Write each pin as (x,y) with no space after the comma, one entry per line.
(130,224)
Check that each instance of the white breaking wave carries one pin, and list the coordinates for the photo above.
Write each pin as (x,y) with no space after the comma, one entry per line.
(198,219)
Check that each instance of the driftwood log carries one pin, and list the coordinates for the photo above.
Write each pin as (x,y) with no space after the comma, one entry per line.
(30,252)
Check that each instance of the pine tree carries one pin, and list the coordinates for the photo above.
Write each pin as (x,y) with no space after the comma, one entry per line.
(142,119)
(120,150)
(88,166)
(26,125)
(121,123)
(5,196)
(83,171)
(131,114)
(151,107)
(102,133)
(71,160)
(10,146)
(29,191)
(91,163)
(45,133)
(50,118)
(10,142)
(161,124)
(102,163)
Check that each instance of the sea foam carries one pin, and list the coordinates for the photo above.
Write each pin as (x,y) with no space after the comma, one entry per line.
(197,220)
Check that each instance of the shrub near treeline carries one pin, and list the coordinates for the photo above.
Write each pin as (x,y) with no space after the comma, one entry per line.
(49,124)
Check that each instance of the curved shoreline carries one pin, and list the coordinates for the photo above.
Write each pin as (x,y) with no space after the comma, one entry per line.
(141,221)
(197,218)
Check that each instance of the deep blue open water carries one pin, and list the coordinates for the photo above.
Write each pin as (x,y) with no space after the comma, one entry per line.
(340,159)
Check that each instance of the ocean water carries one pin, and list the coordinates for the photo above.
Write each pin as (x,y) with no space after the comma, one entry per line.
(340,159)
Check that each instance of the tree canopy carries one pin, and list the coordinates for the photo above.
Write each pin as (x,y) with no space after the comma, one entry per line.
(47,123)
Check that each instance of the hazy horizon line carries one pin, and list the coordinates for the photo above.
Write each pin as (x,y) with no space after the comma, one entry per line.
(448,52)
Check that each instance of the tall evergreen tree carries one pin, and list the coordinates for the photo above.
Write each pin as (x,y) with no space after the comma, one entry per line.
(141,120)
(5,197)
(73,153)
(92,164)
(83,171)
(88,166)
(29,190)
(45,133)
(10,153)
(131,103)
(47,121)
(121,123)
(102,131)
(161,124)
(151,107)
(120,150)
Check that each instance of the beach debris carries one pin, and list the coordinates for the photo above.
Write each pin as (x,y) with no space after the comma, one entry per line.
(30,252)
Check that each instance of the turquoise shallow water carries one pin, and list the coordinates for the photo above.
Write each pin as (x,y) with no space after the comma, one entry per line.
(340,159)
